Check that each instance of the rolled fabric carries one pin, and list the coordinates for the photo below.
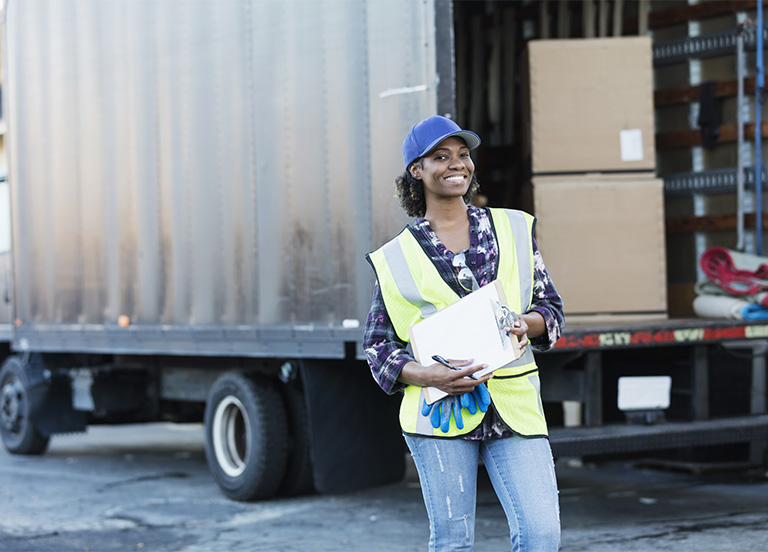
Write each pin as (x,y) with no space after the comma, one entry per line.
(736,272)
(720,306)
(708,287)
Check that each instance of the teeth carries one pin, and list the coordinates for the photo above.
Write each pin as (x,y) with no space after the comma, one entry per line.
(455,178)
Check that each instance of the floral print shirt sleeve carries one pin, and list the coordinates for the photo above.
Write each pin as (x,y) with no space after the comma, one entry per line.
(547,302)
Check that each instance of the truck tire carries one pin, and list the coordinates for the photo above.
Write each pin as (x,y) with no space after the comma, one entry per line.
(298,479)
(20,434)
(246,436)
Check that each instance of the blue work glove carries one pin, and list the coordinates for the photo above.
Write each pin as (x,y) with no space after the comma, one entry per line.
(478,399)
(451,404)
(433,411)
(482,397)
(439,413)
(468,401)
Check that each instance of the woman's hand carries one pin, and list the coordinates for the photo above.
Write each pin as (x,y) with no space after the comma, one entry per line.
(520,329)
(453,382)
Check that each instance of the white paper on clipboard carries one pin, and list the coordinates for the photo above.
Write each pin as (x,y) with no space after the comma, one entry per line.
(466,329)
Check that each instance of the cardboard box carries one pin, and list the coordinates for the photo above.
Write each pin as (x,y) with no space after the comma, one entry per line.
(602,240)
(590,105)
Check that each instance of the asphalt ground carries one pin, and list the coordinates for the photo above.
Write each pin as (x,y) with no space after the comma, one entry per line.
(147,487)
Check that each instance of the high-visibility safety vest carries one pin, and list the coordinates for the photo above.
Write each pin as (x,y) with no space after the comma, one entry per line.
(413,289)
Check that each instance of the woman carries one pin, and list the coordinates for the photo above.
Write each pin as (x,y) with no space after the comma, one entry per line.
(450,250)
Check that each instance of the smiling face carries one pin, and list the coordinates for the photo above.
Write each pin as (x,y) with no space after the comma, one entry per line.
(446,171)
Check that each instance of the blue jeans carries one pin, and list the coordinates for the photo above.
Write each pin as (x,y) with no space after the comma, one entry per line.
(523,475)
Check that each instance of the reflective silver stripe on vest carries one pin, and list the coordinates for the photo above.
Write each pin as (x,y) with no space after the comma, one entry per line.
(534,379)
(423,424)
(520,234)
(406,285)
(527,357)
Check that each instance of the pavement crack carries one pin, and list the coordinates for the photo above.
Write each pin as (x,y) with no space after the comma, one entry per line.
(144,478)
(693,527)
(724,524)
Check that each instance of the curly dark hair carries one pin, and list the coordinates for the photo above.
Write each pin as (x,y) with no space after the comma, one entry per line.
(410,192)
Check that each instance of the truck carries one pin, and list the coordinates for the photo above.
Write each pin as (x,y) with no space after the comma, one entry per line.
(193,189)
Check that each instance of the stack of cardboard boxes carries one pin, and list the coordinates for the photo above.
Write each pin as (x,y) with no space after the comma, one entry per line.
(599,205)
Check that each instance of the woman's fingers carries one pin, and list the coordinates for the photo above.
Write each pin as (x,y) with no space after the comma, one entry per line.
(458,382)
(469,371)
(519,327)
(460,361)
(465,381)
(523,342)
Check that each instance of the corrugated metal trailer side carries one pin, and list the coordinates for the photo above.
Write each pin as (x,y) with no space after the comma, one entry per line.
(192,194)
(6,315)
(207,168)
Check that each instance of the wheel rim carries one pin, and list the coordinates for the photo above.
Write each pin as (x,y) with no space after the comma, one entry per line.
(11,405)
(231,436)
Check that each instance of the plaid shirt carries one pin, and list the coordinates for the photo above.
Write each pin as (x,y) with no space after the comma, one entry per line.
(387,354)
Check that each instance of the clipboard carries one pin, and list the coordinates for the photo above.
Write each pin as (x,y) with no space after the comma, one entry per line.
(466,329)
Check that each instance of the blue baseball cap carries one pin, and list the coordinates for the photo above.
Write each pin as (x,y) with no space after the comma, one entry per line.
(424,136)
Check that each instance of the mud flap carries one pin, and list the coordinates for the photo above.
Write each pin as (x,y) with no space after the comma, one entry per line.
(353,427)
(51,400)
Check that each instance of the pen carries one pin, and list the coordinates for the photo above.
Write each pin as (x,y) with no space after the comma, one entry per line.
(441,360)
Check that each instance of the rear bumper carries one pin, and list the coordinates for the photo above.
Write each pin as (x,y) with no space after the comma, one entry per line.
(610,439)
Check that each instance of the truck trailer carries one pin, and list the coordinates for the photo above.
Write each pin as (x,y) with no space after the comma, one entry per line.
(191,202)
(192,190)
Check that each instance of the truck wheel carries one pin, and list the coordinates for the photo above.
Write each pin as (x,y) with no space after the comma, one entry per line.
(19,433)
(298,478)
(246,436)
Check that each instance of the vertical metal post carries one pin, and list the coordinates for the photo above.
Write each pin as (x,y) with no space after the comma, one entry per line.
(642,17)
(759,83)
(617,17)
(602,18)
(700,384)
(593,401)
(757,398)
(740,138)
(543,19)
(446,60)
(588,18)
(563,20)
(699,203)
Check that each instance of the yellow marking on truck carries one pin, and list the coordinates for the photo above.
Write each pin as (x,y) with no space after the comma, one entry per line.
(756,331)
(614,338)
(689,334)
